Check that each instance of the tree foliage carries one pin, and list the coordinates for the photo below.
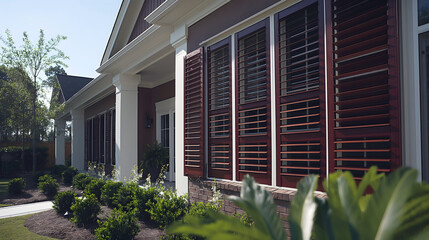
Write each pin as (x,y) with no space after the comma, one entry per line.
(32,59)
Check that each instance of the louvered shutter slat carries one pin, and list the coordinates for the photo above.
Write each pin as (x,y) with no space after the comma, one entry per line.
(365,125)
(194,114)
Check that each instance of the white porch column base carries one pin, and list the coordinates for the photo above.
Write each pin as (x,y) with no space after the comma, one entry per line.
(78,139)
(60,142)
(180,44)
(126,123)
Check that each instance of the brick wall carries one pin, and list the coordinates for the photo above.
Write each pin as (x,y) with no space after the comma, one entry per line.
(200,191)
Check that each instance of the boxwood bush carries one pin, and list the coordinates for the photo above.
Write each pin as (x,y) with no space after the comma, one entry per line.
(63,201)
(81,180)
(57,170)
(167,208)
(16,185)
(94,187)
(120,225)
(68,175)
(126,197)
(85,210)
(109,193)
(143,196)
(48,185)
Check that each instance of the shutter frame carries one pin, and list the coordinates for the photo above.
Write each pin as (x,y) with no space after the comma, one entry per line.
(219,147)
(194,146)
(295,149)
(250,147)
(383,134)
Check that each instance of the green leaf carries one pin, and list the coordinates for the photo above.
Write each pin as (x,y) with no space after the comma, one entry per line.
(372,179)
(385,208)
(343,202)
(215,226)
(416,214)
(303,208)
(259,204)
(323,229)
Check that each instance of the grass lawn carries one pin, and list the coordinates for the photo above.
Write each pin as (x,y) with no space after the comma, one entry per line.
(3,186)
(13,228)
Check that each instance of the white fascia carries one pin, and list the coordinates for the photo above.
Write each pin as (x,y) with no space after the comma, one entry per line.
(150,42)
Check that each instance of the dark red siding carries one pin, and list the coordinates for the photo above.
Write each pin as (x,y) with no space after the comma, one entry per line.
(141,25)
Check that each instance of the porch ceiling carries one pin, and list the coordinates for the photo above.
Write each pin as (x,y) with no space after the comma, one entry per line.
(159,72)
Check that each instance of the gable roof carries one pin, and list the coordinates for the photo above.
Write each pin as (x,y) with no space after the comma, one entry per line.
(70,85)
(124,24)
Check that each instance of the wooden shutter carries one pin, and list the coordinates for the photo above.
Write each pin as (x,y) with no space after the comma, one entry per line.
(219,110)
(194,114)
(300,94)
(365,122)
(253,103)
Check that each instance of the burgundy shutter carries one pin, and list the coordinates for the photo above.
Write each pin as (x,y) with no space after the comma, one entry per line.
(102,138)
(108,131)
(89,140)
(253,103)
(194,114)
(300,94)
(219,110)
(365,125)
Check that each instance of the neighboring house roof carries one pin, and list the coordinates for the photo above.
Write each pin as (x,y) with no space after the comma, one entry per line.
(70,85)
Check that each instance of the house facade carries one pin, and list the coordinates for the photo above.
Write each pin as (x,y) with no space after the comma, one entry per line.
(274,89)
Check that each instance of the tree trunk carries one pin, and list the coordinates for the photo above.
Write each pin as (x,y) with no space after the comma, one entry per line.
(33,145)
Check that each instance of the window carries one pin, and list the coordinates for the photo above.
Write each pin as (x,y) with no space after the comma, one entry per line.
(423,12)
(337,101)
(100,138)
(253,103)
(424,88)
(219,110)
(300,94)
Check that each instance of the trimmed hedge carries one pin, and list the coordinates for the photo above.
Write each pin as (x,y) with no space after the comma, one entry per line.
(16,185)
(63,201)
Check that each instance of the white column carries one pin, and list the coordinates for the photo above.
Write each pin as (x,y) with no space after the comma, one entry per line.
(126,123)
(60,142)
(78,139)
(178,40)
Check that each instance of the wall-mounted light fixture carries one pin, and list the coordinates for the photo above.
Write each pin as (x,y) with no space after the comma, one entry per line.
(149,121)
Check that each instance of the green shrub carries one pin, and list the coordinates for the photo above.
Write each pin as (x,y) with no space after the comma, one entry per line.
(201,209)
(245,219)
(143,196)
(81,180)
(68,175)
(37,175)
(44,178)
(85,210)
(48,185)
(109,193)
(167,208)
(57,170)
(126,197)
(94,187)
(16,185)
(120,225)
(63,201)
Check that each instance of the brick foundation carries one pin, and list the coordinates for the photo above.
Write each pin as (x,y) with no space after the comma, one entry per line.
(200,191)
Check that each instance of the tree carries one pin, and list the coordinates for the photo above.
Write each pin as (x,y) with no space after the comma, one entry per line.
(50,74)
(33,59)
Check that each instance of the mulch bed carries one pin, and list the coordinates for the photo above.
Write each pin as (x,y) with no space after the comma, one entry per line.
(54,225)
(51,224)
(32,194)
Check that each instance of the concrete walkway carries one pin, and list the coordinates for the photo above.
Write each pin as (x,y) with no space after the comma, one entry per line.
(24,209)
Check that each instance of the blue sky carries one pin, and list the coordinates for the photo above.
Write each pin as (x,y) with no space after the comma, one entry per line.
(86,23)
